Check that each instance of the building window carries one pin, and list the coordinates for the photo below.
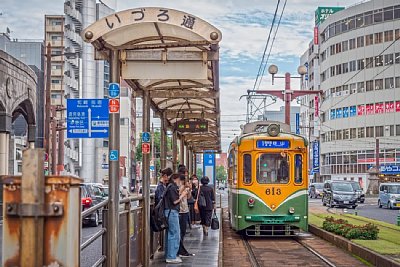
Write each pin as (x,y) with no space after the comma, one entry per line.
(396,13)
(397,129)
(369,85)
(369,61)
(352,65)
(338,69)
(339,135)
(397,34)
(353,88)
(345,67)
(389,83)
(391,130)
(338,48)
(379,61)
(360,64)
(360,87)
(352,43)
(397,58)
(388,13)
(369,39)
(359,20)
(353,133)
(378,131)
(346,134)
(369,131)
(360,41)
(368,18)
(55,81)
(378,84)
(332,71)
(332,51)
(377,15)
(378,37)
(389,36)
(361,132)
(389,59)
(345,45)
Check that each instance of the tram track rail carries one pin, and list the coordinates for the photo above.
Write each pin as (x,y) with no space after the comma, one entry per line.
(255,262)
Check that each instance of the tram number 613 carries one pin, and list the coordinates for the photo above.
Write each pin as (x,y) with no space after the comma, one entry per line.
(273,191)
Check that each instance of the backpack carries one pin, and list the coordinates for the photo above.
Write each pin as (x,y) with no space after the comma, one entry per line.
(158,220)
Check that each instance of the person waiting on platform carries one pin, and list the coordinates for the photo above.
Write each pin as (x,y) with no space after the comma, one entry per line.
(184,214)
(207,210)
(162,184)
(171,211)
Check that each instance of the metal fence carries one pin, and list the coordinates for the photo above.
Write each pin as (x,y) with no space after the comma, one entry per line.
(130,234)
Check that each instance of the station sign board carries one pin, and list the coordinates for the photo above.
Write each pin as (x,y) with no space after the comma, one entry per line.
(87,118)
(191,126)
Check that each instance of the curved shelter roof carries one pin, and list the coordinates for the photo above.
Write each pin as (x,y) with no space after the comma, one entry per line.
(173,55)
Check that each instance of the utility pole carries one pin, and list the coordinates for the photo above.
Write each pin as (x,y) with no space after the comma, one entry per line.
(48,112)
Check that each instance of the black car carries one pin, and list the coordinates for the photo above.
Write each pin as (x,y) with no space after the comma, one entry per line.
(359,191)
(91,195)
(339,193)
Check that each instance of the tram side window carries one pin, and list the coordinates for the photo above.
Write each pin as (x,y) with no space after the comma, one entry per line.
(298,169)
(247,170)
(272,169)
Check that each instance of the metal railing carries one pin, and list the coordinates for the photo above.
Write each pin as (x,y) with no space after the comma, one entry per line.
(130,208)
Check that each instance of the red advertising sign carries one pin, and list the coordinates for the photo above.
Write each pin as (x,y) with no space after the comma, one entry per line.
(379,109)
(316,105)
(315,35)
(389,107)
(113,105)
(146,148)
(369,108)
(360,110)
(397,106)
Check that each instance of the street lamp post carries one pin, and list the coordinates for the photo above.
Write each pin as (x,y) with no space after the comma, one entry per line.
(287,95)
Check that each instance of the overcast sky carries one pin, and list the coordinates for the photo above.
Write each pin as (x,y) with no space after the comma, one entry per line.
(244,25)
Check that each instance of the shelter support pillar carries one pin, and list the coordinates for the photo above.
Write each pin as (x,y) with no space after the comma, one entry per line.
(4,150)
(163,145)
(190,161)
(113,172)
(146,182)
(32,135)
(174,150)
(187,156)
(194,166)
(182,150)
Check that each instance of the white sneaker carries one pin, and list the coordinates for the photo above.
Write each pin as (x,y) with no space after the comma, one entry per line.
(176,260)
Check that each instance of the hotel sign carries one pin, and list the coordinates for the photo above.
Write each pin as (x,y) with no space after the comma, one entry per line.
(322,13)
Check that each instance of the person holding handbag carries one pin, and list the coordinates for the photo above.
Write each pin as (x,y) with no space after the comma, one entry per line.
(206,203)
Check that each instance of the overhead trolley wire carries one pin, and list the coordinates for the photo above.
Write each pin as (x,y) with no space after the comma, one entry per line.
(266,45)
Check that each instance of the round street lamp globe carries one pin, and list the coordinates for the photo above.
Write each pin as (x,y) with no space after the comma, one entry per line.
(273,69)
(302,70)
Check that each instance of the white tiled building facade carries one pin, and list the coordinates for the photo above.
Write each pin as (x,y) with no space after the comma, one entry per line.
(359,70)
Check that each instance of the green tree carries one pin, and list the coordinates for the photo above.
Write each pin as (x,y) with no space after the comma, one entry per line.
(199,173)
(221,174)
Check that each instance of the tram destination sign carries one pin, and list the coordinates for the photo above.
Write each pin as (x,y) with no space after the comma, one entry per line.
(273,144)
(191,126)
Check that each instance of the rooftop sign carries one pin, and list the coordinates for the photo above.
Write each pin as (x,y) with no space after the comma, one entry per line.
(322,13)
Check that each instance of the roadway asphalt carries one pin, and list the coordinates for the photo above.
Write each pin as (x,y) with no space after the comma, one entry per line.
(369,209)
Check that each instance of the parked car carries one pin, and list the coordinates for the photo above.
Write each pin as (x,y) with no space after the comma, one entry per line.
(359,191)
(339,193)
(389,195)
(316,190)
(91,195)
(103,189)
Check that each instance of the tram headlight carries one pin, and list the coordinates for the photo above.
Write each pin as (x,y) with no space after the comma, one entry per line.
(291,210)
(273,129)
(251,201)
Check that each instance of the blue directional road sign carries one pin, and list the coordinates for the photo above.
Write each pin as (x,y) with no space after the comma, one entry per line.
(209,169)
(87,118)
(114,155)
(146,137)
(113,90)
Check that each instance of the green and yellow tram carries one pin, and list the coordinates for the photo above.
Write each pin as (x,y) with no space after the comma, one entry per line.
(267,179)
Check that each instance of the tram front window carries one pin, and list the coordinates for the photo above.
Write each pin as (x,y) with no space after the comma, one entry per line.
(272,168)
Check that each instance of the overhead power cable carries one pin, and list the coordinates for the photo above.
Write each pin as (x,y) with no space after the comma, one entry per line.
(266,45)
